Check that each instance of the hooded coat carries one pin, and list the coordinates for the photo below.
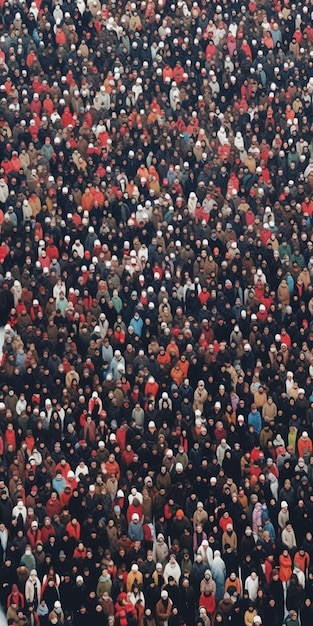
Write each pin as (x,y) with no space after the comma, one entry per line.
(160,550)
(218,571)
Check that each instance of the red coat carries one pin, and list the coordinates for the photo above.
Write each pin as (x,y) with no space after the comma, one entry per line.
(134,509)
(208,602)
(34,310)
(30,441)
(65,498)
(65,469)
(285,567)
(121,437)
(224,522)
(15,596)
(53,506)
(33,537)
(10,438)
(46,532)
(151,389)
(80,554)
(73,531)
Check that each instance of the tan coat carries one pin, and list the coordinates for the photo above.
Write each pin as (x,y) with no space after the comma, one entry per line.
(231,539)
(199,517)
(208,586)
(305,277)
(269,411)
(283,294)
(199,398)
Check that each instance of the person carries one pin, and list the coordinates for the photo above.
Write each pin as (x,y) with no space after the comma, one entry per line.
(249,614)
(251,585)
(292,618)
(163,608)
(295,594)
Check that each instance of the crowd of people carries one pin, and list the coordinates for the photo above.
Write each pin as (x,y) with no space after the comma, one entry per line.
(156,293)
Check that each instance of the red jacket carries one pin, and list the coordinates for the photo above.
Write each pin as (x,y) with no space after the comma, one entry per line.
(53,506)
(33,537)
(46,532)
(73,530)
(208,602)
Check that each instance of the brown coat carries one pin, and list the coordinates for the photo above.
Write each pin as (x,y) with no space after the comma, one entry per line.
(283,294)
(230,539)
(163,610)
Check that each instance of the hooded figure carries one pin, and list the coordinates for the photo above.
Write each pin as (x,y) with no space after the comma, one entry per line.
(295,594)
(206,552)
(15,597)
(103,325)
(172,569)
(257,518)
(192,203)
(135,530)
(160,549)
(218,571)
(252,585)
(207,583)
(300,574)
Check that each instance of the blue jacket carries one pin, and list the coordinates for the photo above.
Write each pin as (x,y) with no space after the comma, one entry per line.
(255,420)
(135,531)
(137,325)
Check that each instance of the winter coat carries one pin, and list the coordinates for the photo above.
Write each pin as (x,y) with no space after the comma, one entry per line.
(251,586)
(32,587)
(163,610)
(160,550)
(208,585)
(218,571)
(285,564)
(104,584)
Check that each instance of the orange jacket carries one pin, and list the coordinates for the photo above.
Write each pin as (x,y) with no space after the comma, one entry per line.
(305,446)
(151,389)
(87,201)
(113,468)
(178,74)
(177,375)
(167,73)
(285,570)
